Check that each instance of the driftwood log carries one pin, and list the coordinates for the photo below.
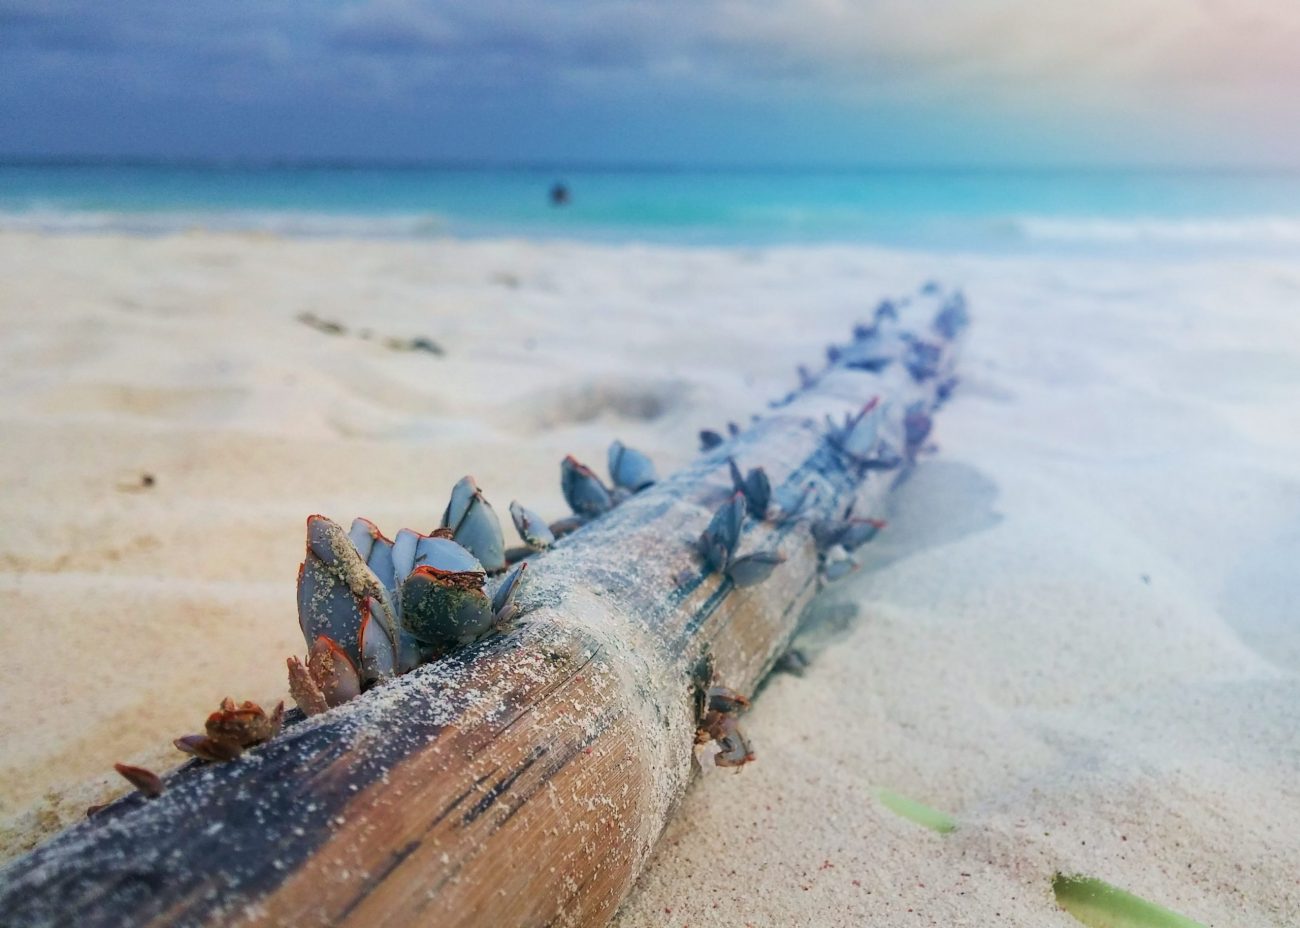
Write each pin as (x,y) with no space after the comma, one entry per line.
(523,780)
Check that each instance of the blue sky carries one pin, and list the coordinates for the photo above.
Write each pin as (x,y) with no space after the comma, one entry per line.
(980,82)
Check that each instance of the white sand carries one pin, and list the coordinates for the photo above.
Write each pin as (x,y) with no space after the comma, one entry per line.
(1080,636)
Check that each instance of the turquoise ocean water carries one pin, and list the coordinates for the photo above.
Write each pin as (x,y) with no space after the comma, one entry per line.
(943,209)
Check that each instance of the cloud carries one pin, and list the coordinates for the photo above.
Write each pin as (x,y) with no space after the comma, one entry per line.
(853,46)
(33,25)
(1110,60)
(393,27)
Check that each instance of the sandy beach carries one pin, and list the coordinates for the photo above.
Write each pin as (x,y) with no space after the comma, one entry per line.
(1078,638)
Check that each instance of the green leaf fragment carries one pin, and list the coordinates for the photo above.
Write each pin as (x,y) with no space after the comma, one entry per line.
(1099,905)
(914,811)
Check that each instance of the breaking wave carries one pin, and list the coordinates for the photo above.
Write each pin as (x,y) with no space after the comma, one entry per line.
(749,226)
(293,224)
(1249,230)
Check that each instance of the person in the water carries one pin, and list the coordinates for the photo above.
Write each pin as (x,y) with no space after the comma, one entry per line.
(559,194)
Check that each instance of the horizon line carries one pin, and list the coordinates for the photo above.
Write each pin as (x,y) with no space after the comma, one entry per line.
(559,166)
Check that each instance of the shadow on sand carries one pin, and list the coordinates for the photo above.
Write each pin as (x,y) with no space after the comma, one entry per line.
(938,503)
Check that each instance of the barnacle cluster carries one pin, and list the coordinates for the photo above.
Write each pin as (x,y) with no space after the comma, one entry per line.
(372,608)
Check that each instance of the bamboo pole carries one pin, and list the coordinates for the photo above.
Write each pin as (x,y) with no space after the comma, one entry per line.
(523,780)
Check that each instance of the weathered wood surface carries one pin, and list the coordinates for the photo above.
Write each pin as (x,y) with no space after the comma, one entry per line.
(522,781)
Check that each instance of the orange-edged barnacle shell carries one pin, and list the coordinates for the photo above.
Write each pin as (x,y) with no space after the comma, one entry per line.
(245,724)
(444,607)
(475,526)
(532,528)
(858,437)
(629,468)
(378,658)
(205,748)
(753,569)
(333,671)
(503,600)
(334,584)
(734,747)
(718,542)
(306,694)
(376,550)
(582,489)
(146,781)
(726,700)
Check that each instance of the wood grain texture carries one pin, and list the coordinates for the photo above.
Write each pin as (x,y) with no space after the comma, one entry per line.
(523,780)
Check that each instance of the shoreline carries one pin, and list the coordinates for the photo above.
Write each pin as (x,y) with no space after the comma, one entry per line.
(1013,237)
